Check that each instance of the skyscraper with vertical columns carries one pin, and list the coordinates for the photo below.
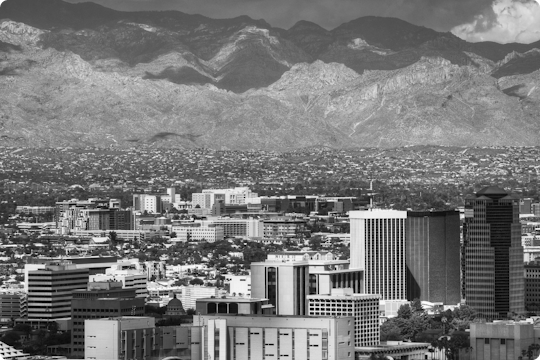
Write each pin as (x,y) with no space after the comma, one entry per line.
(378,247)
(493,280)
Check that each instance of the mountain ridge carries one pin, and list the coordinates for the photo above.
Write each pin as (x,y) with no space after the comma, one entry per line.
(145,79)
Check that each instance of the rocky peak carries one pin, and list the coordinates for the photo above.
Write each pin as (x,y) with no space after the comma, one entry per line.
(308,78)
(19,34)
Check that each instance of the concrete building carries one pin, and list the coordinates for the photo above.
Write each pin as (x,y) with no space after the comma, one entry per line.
(300,255)
(100,300)
(103,337)
(130,279)
(11,306)
(285,284)
(239,285)
(493,273)
(208,197)
(234,305)
(502,340)
(126,338)
(91,215)
(344,302)
(276,337)
(196,232)
(282,228)
(147,202)
(191,293)
(50,290)
(532,286)
(239,227)
(378,247)
(433,256)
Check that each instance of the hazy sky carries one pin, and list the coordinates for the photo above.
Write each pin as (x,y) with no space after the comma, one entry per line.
(473,20)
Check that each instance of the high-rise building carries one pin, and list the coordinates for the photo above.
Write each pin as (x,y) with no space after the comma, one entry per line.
(50,290)
(493,279)
(247,337)
(378,247)
(432,241)
(344,302)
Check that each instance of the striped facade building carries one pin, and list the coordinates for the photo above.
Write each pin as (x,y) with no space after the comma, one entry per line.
(378,247)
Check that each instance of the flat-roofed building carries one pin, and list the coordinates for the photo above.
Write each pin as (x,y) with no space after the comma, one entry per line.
(501,340)
(344,302)
(378,247)
(234,305)
(127,337)
(277,337)
(101,300)
(50,290)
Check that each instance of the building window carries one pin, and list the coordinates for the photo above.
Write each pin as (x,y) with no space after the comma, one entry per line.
(486,341)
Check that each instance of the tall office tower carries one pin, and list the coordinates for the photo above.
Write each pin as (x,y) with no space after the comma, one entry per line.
(493,266)
(364,308)
(50,290)
(285,284)
(432,241)
(378,248)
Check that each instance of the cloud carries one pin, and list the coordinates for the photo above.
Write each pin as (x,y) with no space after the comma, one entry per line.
(506,21)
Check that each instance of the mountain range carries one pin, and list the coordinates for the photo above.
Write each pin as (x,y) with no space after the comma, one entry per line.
(82,74)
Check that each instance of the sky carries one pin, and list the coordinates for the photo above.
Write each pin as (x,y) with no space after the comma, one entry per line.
(473,20)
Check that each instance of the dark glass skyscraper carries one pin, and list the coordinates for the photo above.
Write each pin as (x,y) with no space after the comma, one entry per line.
(432,256)
(493,280)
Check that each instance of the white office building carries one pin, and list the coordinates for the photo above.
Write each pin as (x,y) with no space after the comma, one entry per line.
(378,248)
(343,302)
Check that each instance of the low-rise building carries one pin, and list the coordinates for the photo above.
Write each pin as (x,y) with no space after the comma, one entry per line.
(271,337)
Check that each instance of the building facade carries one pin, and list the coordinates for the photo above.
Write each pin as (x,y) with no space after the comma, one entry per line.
(100,303)
(50,290)
(275,337)
(493,271)
(433,256)
(501,340)
(284,284)
(378,247)
(344,302)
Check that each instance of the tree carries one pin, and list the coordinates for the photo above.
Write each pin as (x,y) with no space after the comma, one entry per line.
(196,281)
(452,344)
(390,331)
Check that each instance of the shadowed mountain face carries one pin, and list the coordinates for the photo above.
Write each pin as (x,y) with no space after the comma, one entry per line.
(83,74)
